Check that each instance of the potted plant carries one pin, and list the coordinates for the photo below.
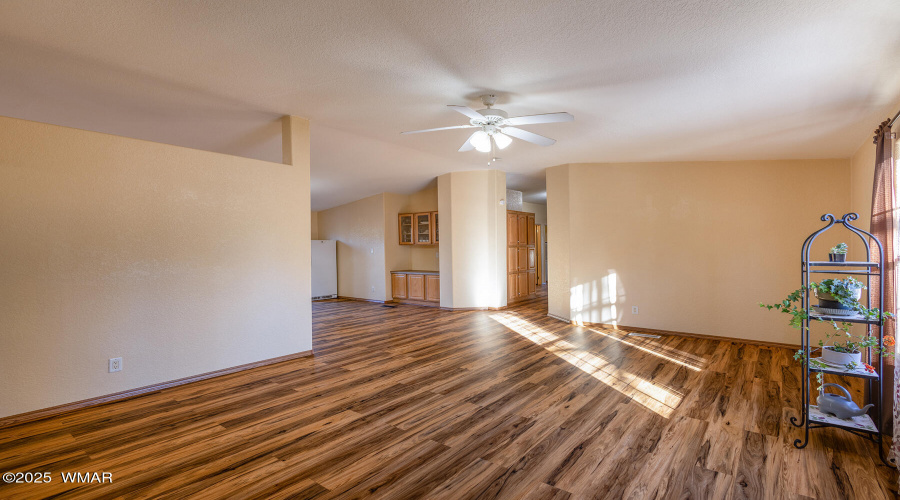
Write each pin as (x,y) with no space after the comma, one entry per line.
(838,253)
(838,294)
(843,349)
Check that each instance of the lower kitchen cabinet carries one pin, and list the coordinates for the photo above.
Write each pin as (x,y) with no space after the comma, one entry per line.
(416,287)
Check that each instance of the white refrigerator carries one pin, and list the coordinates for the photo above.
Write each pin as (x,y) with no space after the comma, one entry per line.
(324,269)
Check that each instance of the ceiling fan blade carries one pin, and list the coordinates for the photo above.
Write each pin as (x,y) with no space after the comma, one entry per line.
(528,136)
(467,146)
(544,118)
(439,128)
(471,113)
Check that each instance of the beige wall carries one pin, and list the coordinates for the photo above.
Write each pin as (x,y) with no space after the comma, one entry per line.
(371,223)
(539,211)
(180,261)
(359,228)
(540,218)
(473,244)
(559,214)
(314,225)
(695,245)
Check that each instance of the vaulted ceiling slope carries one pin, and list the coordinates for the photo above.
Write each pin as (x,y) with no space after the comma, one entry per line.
(646,80)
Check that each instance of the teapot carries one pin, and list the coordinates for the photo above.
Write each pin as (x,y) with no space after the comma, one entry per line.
(837,405)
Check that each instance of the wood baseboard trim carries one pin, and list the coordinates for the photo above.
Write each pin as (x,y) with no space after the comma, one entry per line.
(31,416)
(412,302)
(638,329)
(361,300)
(474,308)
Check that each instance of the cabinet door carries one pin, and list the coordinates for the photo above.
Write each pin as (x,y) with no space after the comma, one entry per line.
(532,282)
(511,265)
(406,229)
(532,259)
(521,229)
(432,288)
(512,228)
(434,220)
(521,258)
(423,229)
(511,281)
(530,229)
(522,284)
(398,286)
(415,286)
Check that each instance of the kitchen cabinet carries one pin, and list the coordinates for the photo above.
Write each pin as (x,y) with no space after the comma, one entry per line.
(432,288)
(398,286)
(423,229)
(416,287)
(434,221)
(406,229)
(418,229)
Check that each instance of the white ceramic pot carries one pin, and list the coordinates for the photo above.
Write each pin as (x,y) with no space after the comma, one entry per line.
(857,293)
(840,358)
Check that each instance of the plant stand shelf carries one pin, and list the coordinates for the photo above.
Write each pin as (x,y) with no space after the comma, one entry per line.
(811,418)
(862,423)
(858,372)
(841,319)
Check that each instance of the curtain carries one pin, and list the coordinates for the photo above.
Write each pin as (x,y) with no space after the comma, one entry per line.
(883,206)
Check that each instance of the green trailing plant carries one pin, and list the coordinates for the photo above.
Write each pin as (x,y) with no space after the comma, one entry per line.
(839,249)
(841,338)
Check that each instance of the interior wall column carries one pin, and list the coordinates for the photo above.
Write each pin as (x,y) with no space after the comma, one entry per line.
(473,239)
(295,152)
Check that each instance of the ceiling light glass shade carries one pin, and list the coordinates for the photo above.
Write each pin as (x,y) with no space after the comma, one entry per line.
(482,141)
(502,140)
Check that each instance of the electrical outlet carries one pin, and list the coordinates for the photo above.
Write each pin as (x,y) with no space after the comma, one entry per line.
(634,309)
(115,365)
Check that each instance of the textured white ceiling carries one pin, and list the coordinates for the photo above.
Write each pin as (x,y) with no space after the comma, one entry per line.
(646,80)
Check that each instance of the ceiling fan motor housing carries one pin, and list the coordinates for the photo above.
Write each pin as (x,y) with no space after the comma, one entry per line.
(491,117)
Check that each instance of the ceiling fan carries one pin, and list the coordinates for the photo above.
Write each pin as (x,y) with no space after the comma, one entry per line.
(496,128)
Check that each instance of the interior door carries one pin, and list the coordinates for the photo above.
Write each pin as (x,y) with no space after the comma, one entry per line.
(540,258)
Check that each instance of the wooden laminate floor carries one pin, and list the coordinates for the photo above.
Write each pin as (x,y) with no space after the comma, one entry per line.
(412,402)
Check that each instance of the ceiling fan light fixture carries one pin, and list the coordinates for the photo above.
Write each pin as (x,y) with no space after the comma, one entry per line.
(502,140)
(482,141)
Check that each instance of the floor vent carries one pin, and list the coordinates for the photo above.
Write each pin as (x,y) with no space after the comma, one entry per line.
(324,297)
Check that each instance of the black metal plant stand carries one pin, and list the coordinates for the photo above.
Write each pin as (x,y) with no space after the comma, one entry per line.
(810,417)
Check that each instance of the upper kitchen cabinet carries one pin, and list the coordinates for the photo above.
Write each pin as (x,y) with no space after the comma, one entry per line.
(406,229)
(419,229)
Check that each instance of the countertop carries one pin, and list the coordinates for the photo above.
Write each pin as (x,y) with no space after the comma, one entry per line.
(416,272)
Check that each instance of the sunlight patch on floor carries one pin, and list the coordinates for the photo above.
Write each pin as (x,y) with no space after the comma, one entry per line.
(658,399)
(687,363)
